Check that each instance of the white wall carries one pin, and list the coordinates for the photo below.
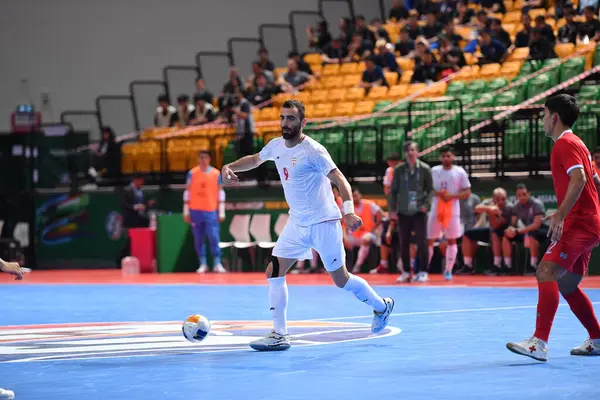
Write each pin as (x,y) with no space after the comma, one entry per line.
(78,49)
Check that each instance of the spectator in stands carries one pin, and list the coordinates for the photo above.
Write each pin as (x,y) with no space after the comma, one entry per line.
(166,114)
(405,45)
(244,124)
(363,30)
(322,38)
(412,25)
(421,46)
(201,90)
(524,36)
(492,51)
(373,76)
(302,65)
(230,88)
(346,29)
(540,47)
(368,233)
(293,79)
(499,33)
(425,6)
(494,217)
(463,14)
(335,53)
(494,6)
(378,30)
(451,35)
(482,21)
(426,71)
(385,58)
(261,92)
(398,11)
(204,111)
(596,157)
(591,26)
(105,158)
(452,58)
(527,5)
(184,110)
(568,33)
(446,11)
(530,211)
(432,27)
(359,49)
(410,198)
(257,70)
(544,28)
(263,59)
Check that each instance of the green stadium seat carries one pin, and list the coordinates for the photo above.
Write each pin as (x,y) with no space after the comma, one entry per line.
(496,84)
(508,98)
(554,73)
(538,85)
(477,86)
(589,93)
(571,68)
(381,104)
(456,88)
(393,139)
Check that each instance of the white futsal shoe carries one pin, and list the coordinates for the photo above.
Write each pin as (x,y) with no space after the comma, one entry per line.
(6,394)
(272,342)
(219,268)
(202,269)
(534,347)
(588,348)
(380,319)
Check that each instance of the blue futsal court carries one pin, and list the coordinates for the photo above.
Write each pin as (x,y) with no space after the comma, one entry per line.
(78,342)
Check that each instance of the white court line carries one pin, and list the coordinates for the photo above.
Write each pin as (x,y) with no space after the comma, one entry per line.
(466,310)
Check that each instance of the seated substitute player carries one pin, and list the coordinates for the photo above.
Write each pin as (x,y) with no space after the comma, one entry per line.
(306,171)
(574,230)
(450,184)
(367,234)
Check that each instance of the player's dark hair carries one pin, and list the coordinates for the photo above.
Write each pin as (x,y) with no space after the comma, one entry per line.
(565,106)
(447,149)
(297,105)
(521,186)
(409,143)
(204,152)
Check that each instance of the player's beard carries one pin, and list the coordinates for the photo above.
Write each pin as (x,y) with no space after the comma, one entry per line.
(291,133)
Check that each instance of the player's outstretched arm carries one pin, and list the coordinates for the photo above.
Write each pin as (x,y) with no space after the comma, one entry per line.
(243,164)
(352,221)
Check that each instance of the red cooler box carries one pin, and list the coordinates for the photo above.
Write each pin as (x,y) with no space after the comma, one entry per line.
(143,247)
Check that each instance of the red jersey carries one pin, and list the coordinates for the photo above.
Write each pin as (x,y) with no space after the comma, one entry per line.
(569,152)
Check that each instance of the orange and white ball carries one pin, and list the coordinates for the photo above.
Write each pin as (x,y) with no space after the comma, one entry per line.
(196,328)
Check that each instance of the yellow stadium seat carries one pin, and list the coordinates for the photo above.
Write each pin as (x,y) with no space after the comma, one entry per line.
(331,69)
(589,53)
(406,77)
(279,71)
(348,68)
(343,109)
(128,154)
(336,95)
(364,107)
(280,98)
(415,87)
(361,67)
(333,81)
(378,92)
(560,23)
(177,155)
(312,58)
(322,110)
(510,28)
(405,63)
(309,110)
(489,71)
(397,92)
(563,50)
(467,73)
(436,90)
(537,11)
(303,96)
(319,96)
(520,53)
(391,77)
(269,114)
(512,17)
(511,67)
(463,31)
(355,94)
(352,80)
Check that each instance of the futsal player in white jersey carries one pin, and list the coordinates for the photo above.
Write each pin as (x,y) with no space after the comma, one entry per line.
(450,184)
(307,171)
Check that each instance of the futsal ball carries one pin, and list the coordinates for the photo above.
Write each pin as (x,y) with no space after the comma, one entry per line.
(196,328)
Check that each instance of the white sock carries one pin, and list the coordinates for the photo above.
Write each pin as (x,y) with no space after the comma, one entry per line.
(278,299)
(508,262)
(363,253)
(451,253)
(497,261)
(430,254)
(534,261)
(468,261)
(364,292)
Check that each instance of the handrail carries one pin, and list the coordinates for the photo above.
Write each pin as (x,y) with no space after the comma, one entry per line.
(145,82)
(136,121)
(64,114)
(348,2)
(230,42)
(211,54)
(291,20)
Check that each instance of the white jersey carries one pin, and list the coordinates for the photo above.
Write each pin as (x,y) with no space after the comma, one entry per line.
(454,180)
(303,171)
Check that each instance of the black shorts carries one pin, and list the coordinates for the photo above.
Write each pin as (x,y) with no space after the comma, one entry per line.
(484,234)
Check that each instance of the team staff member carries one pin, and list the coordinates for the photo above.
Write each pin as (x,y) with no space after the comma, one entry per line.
(204,209)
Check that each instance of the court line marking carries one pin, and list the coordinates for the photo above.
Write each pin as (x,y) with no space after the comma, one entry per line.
(466,310)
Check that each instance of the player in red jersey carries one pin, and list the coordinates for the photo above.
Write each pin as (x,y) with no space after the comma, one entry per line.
(574,230)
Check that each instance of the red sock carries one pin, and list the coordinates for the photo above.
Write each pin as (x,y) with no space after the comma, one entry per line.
(584,310)
(548,298)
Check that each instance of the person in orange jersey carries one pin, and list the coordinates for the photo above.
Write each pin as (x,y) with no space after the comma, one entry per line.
(204,209)
(364,236)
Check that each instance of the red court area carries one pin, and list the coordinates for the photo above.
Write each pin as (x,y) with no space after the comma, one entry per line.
(115,277)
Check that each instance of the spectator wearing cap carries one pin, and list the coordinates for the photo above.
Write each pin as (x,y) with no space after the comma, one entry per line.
(201,90)
(524,36)
(405,45)
(398,11)
(184,110)
(540,47)
(499,33)
(302,65)
(321,38)
(385,58)
(373,75)
(204,112)
(421,45)
(568,33)
(263,60)
(492,51)
(432,27)
(293,79)
(591,26)
(427,70)
(166,114)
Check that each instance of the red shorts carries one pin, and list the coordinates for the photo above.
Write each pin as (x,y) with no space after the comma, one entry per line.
(572,251)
